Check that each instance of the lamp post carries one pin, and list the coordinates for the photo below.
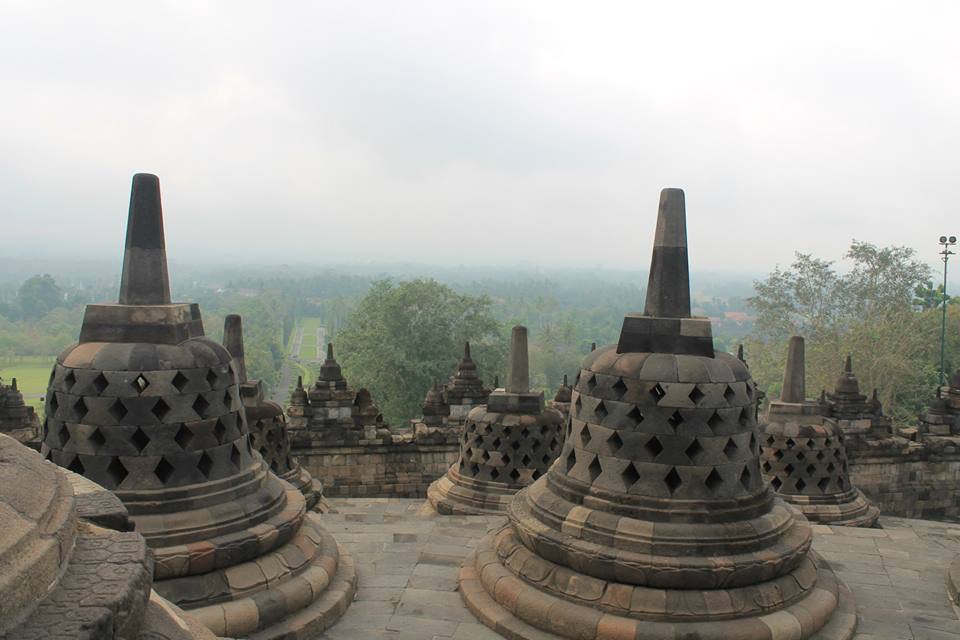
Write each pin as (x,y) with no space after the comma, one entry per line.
(945,243)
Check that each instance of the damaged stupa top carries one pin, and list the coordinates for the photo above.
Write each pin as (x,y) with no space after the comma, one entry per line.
(516,397)
(665,326)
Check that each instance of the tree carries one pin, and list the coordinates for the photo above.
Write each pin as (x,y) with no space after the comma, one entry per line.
(38,295)
(401,338)
(870,312)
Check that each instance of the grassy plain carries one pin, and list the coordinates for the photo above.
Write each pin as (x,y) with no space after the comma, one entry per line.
(32,374)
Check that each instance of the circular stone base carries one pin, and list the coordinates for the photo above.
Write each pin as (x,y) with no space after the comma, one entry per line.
(856,512)
(518,611)
(456,495)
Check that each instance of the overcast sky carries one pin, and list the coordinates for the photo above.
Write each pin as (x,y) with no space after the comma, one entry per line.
(480,132)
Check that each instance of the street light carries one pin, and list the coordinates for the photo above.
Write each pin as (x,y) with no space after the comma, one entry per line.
(945,243)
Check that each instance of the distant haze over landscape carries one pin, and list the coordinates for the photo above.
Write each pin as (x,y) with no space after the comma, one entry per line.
(479,133)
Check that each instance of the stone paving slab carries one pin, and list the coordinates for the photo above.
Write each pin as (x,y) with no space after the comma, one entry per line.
(407,566)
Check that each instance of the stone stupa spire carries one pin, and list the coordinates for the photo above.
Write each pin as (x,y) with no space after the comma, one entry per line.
(518,362)
(233,341)
(794,374)
(145,279)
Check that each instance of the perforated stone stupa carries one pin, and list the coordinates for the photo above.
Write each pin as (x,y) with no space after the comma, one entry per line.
(465,389)
(804,455)
(17,419)
(506,444)
(267,422)
(65,578)
(561,401)
(148,407)
(655,522)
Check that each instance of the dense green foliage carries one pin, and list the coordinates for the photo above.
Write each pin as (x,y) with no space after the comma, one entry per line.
(871,312)
(404,337)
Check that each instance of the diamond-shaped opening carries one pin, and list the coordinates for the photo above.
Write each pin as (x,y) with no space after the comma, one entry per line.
(620,388)
(205,464)
(810,469)
(545,459)
(97,439)
(235,456)
(571,460)
(140,383)
(788,468)
(675,420)
(745,478)
(139,439)
(461,464)
(514,475)
(826,444)
(479,441)
(544,429)
(163,470)
(653,446)
(117,410)
(496,443)
(468,453)
(76,465)
(526,460)
(179,381)
(753,443)
(672,480)
(494,473)
(219,431)
(536,474)
(729,394)
(485,456)
(657,392)
(525,432)
(629,475)
(695,394)
(212,378)
(731,448)
(693,449)
(507,431)
(80,408)
(600,410)
(52,405)
(766,467)
(800,456)
(116,472)
(200,406)
(577,405)
(823,484)
(778,454)
(746,417)
(487,429)
(831,467)
(790,443)
(63,435)
(800,484)
(227,399)
(635,416)
(184,437)
(810,443)
(515,445)
(594,469)
(770,441)
(505,459)
(69,380)
(592,382)
(160,409)
(474,469)
(614,443)
(554,443)
(714,421)
(776,483)
(841,483)
(270,435)
(819,455)
(100,383)
(585,436)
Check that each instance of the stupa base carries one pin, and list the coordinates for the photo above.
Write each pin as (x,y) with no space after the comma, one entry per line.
(456,495)
(518,610)
(856,512)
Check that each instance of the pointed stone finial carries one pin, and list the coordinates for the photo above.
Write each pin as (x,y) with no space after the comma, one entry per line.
(330,369)
(668,288)
(740,353)
(848,365)
(794,383)
(593,346)
(329,351)
(496,382)
(300,382)
(518,364)
(565,380)
(13,384)
(145,279)
(233,342)
(466,350)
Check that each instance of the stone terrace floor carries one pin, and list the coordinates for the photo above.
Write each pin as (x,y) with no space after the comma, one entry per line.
(407,566)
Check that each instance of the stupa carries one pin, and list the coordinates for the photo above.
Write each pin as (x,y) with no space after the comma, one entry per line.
(561,401)
(655,521)
(507,443)
(148,407)
(465,390)
(17,419)
(942,417)
(62,575)
(804,454)
(267,422)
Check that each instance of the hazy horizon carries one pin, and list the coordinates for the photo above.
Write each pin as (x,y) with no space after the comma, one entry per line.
(448,133)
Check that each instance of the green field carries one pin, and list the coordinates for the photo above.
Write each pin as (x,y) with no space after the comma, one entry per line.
(32,374)
(308,348)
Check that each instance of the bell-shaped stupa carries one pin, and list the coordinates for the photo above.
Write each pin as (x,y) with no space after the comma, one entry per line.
(267,422)
(465,390)
(149,407)
(655,521)
(804,454)
(17,419)
(507,443)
